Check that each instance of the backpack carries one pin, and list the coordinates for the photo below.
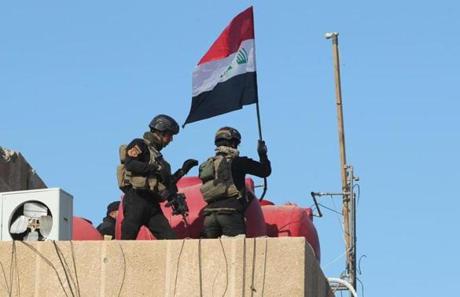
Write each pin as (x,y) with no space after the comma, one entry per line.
(216,175)
(123,176)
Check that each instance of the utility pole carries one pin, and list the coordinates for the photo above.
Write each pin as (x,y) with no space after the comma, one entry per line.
(347,179)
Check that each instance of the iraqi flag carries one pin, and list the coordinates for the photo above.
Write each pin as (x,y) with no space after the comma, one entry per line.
(225,78)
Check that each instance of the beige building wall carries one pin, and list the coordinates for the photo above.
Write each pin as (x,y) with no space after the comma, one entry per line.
(208,267)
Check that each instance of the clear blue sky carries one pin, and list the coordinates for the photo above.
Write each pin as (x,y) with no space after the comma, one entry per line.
(79,79)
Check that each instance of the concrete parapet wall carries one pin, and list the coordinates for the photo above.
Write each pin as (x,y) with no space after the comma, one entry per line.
(207,267)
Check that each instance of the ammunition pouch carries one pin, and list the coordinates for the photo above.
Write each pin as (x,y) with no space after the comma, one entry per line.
(206,170)
(123,177)
(138,182)
(147,183)
(214,190)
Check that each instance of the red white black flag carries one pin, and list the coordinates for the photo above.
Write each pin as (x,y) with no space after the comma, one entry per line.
(225,78)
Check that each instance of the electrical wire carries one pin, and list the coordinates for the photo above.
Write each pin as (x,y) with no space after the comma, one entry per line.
(226,271)
(124,269)
(334,260)
(359,192)
(177,266)
(244,264)
(17,269)
(4,277)
(13,250)
(333,210)
(359,263)
(337,212)
(75,267)
(199,267)
(362,287)
(343,230)
(340,222)
(67,270)
(265,267)
(12,267)
(226,267)
(253,289)
(65,267)
(360,272)
(47,262)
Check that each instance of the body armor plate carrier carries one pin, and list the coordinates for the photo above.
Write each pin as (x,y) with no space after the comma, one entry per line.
(216,175)
(151,182)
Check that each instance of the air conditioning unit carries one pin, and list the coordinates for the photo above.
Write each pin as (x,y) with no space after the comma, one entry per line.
(36,215)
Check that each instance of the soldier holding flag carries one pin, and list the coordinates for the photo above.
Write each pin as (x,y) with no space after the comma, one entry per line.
(225,80)
(224,187)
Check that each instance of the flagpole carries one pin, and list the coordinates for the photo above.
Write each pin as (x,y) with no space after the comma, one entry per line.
(259,125)
(264,191)
(258,121)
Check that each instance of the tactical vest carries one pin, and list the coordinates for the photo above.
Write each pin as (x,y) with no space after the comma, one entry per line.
(216,175)
(151,182)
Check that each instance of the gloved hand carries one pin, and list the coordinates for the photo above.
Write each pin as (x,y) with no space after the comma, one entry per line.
(189,164)
(261,148)
(178,204)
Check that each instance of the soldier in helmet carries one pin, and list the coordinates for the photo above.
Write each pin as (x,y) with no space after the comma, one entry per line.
(150,180)
(223,188)
(107,227)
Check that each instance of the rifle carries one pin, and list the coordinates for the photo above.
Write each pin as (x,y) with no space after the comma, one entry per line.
(179,206)
(177,200)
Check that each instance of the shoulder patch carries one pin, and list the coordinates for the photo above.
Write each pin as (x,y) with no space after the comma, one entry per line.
(134,151)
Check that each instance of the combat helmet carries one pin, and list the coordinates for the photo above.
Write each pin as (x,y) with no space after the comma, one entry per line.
(227,134)
(164,123)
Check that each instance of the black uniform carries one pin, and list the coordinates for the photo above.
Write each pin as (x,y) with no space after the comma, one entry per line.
(226,217)
(107,227)
(142,207)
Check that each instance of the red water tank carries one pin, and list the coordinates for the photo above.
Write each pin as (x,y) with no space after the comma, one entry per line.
(190,186)
(83,229)
(293,221)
